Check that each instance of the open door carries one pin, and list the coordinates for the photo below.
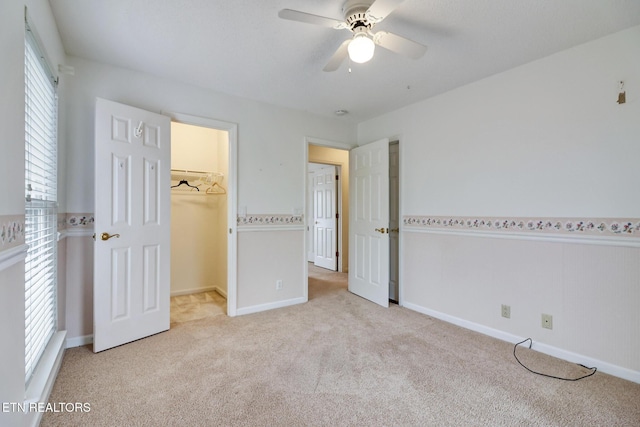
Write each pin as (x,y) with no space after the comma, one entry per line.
(325,223)
(132,224)
(369,222)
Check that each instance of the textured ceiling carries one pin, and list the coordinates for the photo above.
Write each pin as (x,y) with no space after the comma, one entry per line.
(242,48)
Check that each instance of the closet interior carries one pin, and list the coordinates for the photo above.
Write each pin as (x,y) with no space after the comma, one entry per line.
(198,210)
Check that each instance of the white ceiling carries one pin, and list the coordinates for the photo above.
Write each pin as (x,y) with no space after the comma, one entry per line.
(242,48)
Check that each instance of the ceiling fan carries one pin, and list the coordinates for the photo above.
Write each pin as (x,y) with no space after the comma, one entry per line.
(360,16)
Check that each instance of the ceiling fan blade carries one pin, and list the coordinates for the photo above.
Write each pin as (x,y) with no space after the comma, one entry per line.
(295,15)
(381,8)
(398,44)
(338,57)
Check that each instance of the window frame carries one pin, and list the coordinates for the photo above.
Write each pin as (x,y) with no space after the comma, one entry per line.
(41,207)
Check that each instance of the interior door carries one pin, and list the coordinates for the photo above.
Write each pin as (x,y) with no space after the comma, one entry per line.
(369,222)
(132,224)
(324,217)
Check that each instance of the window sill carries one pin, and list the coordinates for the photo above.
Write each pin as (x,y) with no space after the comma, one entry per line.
(44,377)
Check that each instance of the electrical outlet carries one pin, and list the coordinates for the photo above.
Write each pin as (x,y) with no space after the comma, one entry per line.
(278,285)
(547,321)
(506,311)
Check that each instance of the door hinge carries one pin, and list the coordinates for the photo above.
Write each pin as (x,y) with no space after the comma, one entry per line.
(337,254)
(337,215)
(337,177)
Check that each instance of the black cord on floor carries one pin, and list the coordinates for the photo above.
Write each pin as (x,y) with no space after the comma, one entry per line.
(546,375)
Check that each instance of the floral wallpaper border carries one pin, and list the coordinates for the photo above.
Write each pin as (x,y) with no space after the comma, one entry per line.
(11,230)
(629,227)
(267,219)
(78,220)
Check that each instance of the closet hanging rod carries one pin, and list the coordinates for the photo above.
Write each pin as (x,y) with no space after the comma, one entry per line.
(191,171)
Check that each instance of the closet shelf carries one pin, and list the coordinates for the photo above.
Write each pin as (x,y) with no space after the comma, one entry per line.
(197,182)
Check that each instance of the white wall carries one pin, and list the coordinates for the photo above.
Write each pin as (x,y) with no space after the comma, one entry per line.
(546,139)
(79,290)
(12,387)
(282,257)
(12,335)
(271,139)
(12,202)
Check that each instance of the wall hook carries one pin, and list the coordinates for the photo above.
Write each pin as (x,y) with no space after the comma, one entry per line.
(137,132)
(622,96)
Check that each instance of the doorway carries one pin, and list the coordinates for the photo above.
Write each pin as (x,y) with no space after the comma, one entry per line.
(203,223)
(199,178)
(328,153)
(339,158)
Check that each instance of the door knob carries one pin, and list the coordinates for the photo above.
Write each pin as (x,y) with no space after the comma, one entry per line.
(381,230)
(107,236)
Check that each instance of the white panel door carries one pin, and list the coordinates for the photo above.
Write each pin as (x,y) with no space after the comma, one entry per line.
(324,217)
(369,222)
(132,224)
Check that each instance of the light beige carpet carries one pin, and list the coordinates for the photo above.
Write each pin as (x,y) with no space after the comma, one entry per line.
(338,360)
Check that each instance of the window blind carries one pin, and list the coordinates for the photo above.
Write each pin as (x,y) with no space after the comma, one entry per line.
(41,203)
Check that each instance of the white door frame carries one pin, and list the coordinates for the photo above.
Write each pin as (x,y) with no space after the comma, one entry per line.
(232,205)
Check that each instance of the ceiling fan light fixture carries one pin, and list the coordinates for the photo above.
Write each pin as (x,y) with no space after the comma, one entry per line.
(361,48)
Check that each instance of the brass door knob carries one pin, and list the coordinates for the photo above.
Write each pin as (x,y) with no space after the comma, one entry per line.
(381,230)
(107,236)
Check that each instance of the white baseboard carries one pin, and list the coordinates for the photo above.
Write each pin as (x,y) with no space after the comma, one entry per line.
(270,306)
(222,292)
(193,291)
(608,368)
(219,290)
(79,341)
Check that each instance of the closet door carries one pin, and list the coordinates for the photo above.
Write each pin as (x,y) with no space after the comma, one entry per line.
(132,224)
